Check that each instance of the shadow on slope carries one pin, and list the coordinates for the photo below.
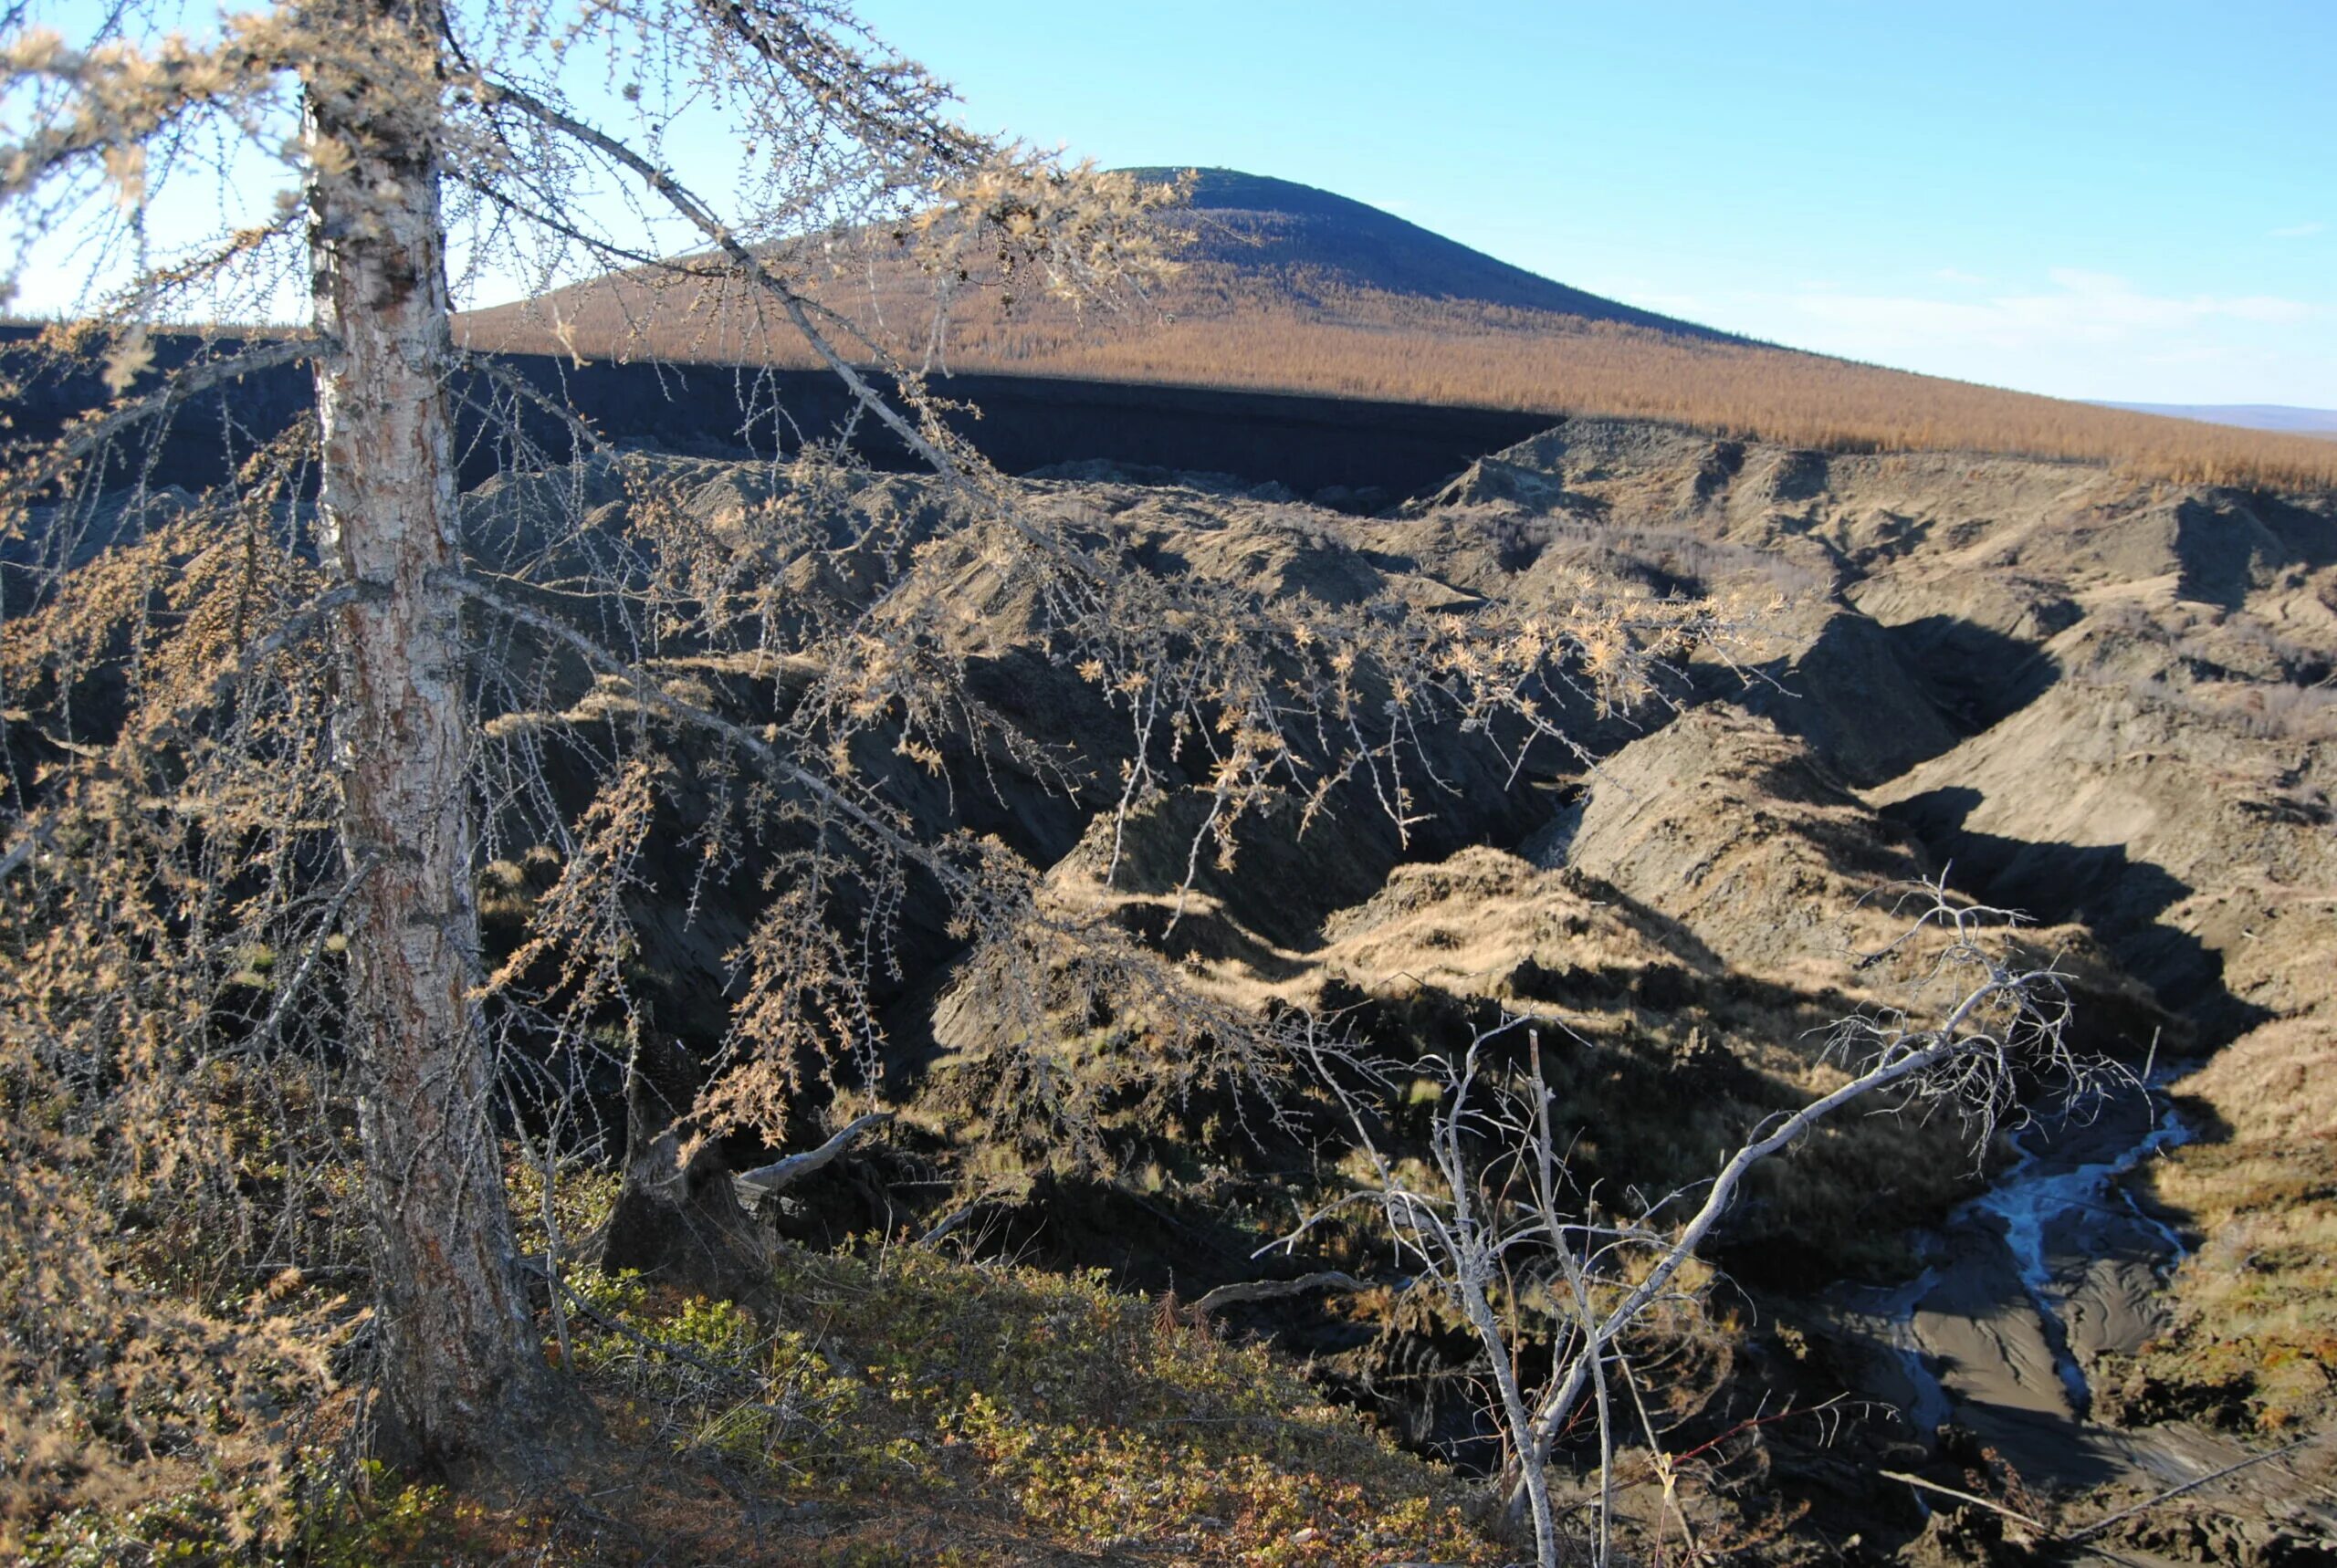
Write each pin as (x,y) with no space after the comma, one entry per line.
(2100,886)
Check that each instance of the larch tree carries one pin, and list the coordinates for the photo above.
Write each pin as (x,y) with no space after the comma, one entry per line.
(261,737)
(377,114)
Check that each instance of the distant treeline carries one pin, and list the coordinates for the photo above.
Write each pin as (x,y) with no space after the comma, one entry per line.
(1300,329)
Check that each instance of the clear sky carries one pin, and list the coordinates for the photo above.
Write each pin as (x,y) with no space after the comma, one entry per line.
(2132,201)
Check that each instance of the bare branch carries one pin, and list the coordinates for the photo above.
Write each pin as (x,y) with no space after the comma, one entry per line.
(764,1180)
(1247,1291)
(1996,1507)
(2089,1531)
(1498,1213)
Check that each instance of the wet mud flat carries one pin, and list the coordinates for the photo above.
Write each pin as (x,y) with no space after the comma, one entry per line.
(2025,1290)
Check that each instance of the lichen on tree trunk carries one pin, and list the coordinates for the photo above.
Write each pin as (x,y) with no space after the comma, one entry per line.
(463,1379)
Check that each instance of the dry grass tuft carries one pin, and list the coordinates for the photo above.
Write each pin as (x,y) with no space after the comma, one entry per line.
(2256,1338)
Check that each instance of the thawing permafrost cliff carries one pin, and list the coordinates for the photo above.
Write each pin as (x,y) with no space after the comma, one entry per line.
(2105,702)
(2112,704)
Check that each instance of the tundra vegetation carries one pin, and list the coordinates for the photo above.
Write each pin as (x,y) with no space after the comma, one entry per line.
(1290,289)
(434,916)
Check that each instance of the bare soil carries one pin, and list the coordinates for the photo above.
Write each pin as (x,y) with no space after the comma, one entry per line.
(2103,701)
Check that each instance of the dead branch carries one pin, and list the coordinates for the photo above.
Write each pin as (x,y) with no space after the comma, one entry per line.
(2088,1532)
(193,379)
(1993,1507)
(1246,1290)
(1482,1235)
(764,1180)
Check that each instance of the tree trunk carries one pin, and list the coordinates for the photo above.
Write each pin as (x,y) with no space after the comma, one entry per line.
(463,1378)
(676,1220)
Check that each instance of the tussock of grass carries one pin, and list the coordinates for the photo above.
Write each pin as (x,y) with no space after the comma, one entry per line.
(2255,1340)
(1020,1413)
(912,1410)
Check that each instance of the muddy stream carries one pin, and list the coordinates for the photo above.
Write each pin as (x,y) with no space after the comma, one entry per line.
(2024,1288)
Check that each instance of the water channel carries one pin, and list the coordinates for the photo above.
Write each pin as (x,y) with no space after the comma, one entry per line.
(2024,1289)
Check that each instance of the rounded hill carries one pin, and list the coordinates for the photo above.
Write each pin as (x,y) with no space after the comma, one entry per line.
(1308,238)
(1286,288)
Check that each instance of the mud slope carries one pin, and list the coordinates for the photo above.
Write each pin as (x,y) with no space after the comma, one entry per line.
(2098,700)
(1694,902)
(2103,702)
(2094,700)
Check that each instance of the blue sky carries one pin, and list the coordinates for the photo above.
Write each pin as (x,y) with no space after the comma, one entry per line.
(2131,201)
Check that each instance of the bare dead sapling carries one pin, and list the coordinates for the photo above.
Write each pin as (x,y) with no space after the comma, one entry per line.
(1497,1224)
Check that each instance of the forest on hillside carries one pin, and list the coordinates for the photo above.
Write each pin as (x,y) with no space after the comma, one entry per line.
(1218,322)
